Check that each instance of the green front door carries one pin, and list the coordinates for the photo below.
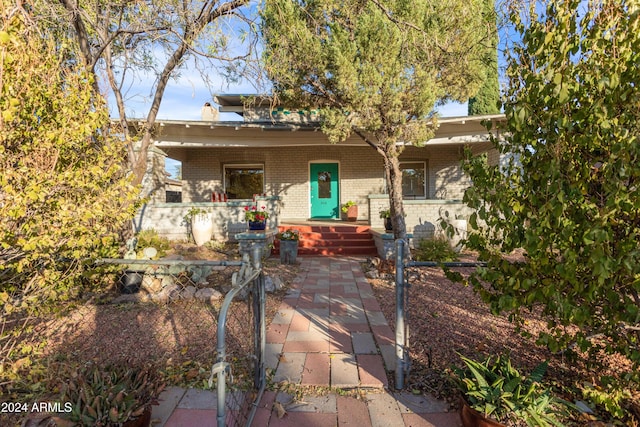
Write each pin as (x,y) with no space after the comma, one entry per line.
(325,200)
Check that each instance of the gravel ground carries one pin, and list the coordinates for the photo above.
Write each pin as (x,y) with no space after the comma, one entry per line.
(448,319)
(181,335)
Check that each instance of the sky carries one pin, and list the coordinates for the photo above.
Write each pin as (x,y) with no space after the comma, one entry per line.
(184,98)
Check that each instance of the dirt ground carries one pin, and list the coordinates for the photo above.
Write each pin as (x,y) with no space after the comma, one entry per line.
(447,320)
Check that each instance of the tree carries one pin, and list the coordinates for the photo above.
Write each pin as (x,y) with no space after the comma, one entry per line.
(375,69)
(64,186)
(121,41)
(487,100)
(568,190)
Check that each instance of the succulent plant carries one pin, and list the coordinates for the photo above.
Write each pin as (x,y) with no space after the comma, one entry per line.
(497,390)
(107,396)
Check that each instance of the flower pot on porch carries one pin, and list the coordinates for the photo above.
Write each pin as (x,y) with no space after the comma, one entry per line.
(352,213)
(201,228)
(288,251)
(388,225)
(257,225)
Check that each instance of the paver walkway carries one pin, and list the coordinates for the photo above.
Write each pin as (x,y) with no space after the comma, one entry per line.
(330,332)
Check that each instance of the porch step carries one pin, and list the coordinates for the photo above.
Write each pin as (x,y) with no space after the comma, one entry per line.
(319,240)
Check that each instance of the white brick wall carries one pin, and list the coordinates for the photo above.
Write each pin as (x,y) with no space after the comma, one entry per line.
(422,216)
(228,218)
(287,174)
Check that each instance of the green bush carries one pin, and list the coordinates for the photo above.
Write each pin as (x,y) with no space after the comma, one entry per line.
(65,191)
(150,238)
(435,249)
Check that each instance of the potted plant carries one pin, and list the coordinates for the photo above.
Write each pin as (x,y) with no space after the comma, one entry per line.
(495,394)
(111,395)
(350,209)
(386,215)
(257,218)
(288,245)
(201,225)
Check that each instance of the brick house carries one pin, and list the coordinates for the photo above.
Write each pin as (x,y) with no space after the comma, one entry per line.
(297,175)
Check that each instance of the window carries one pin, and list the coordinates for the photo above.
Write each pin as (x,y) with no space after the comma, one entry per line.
(414,180)
(324,185)
(243,181)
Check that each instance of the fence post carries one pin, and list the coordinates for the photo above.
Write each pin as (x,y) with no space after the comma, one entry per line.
(259,318)
(400,315)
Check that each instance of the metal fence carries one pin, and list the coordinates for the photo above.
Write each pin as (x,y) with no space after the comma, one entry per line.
(402,345)
(203,315)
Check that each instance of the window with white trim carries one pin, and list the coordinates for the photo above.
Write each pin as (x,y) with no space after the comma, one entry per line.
(243,181)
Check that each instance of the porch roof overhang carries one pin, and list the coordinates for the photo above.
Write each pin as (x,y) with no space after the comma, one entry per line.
(203,134)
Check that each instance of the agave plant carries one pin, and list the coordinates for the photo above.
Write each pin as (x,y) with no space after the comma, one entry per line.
(498,391)
(110,395)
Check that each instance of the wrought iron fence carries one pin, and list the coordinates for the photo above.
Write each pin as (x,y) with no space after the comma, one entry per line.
(402,344)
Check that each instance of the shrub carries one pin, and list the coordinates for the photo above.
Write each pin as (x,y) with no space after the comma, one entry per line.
(109,395)
(150,238)
(435,249)
(64,188)
(499,391)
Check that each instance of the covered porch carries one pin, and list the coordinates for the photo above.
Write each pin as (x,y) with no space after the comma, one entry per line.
(297,175)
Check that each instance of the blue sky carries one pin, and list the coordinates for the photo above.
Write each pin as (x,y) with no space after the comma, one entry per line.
(184,98)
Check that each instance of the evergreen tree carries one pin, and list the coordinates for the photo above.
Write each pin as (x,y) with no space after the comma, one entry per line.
(487,100)
(375,69)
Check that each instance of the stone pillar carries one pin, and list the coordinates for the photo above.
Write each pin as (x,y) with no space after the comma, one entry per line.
(260,238)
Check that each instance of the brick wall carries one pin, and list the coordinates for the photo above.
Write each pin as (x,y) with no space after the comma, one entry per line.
(228,218)
(287,175)
(422,216)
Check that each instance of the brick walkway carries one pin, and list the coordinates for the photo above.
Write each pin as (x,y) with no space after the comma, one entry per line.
(330,332)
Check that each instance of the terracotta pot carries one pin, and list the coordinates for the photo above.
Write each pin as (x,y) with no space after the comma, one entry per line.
(472,418)
(142,421)
(352,213)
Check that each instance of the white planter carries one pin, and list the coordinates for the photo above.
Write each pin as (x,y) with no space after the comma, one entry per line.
(201,228)
(460,226)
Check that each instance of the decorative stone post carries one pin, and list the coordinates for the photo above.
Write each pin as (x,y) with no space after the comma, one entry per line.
(261,238)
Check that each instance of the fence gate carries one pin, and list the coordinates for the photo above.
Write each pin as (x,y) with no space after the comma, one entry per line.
(403,358)
(238,324)
(238,405)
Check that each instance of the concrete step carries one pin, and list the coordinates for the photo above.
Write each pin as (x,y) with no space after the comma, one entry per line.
(332,240)
(329,251)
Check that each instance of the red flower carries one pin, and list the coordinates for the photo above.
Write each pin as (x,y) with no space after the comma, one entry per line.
(255,214)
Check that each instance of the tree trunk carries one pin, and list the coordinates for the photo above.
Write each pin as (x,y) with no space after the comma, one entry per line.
(394,181)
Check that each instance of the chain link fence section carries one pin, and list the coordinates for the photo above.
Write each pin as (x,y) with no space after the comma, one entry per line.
(185,317)
(402,344)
